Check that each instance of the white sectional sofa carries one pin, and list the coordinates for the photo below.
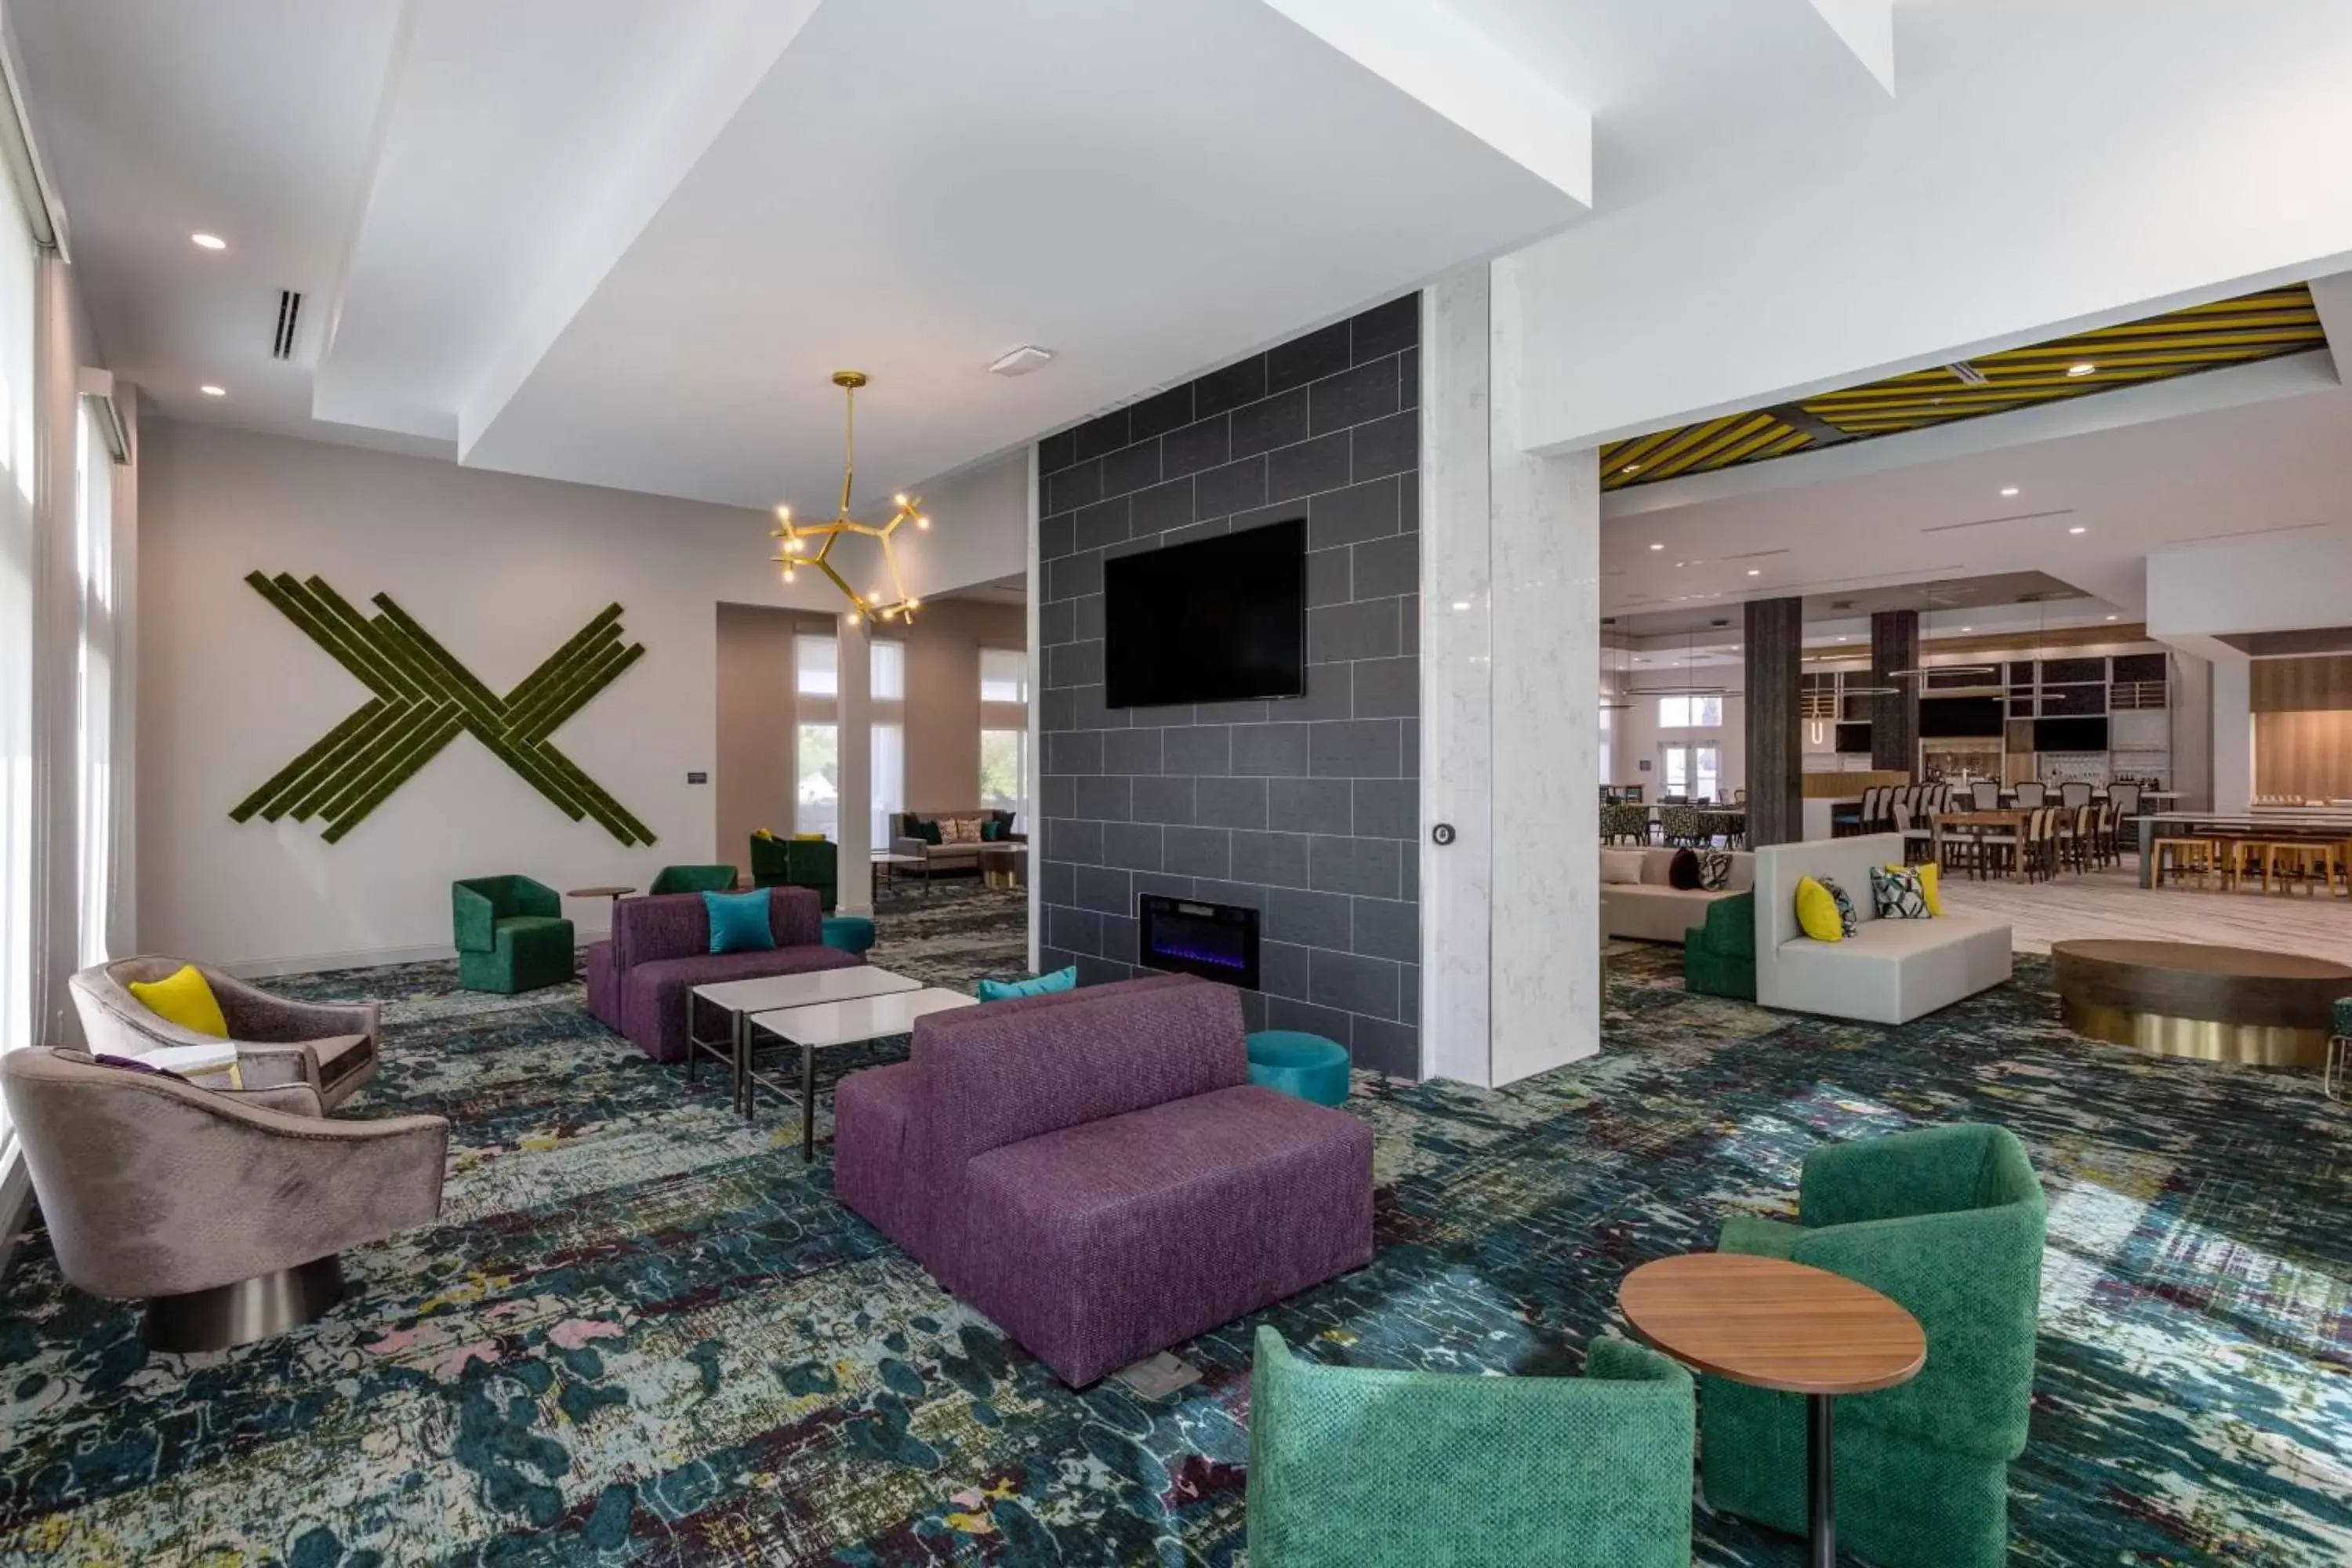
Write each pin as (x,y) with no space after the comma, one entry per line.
(1652,911)
(1888,971)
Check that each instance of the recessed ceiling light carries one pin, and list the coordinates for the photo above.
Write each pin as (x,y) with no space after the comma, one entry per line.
(2009,490)
(2078,528)
(210,241)
(211,391)
(1968,629)
(2111,617)
(1657,547)
(1631,469)
(1840,639)
(2085,368)
(1756,572)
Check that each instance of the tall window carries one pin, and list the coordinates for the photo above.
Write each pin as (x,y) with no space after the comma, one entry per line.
(817,750)
(18,274)
(1692,771)
(95,804)
(1690,712)
(1005,730)
(888,761)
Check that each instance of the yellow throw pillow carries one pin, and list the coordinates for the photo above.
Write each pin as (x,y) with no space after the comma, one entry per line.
(1926,870)
(761,833)
(1817,913)
(183,998)
(808,838)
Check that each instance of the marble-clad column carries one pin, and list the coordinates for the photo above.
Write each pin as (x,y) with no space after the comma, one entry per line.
(1511,676)
(854,741)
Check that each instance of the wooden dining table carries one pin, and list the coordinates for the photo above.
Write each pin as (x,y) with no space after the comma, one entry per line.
(2010,819)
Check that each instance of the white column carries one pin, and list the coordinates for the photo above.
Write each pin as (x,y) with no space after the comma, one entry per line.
(1510,677)
(2233,735)
(1547,726)
(854,740)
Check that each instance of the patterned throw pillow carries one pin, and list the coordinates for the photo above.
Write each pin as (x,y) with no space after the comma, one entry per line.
(962,829)
(1899,894)
(1714,870)
(1844,907)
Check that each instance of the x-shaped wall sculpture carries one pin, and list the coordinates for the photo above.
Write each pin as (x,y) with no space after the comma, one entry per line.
(423,697)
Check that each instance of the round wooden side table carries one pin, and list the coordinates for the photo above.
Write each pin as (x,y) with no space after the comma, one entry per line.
(614,893)
(1783,1326)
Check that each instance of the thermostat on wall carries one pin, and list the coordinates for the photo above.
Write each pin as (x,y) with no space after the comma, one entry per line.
(698,778)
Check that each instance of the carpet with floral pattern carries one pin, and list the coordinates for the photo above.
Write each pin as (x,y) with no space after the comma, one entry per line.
(644,1332)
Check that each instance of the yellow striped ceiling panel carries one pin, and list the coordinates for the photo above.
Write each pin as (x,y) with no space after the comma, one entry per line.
(2181,342)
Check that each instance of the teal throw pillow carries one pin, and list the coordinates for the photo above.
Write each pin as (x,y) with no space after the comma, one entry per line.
(928,830)
(738,921)
(989,829)
(1044,985)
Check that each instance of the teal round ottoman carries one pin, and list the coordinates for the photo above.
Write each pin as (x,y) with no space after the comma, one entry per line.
(1301,1064)
(850,933)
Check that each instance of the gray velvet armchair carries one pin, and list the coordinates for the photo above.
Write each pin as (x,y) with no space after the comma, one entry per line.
(329,1047)
(223,1211)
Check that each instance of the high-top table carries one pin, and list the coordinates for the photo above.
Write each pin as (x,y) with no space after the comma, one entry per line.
(1784,1326)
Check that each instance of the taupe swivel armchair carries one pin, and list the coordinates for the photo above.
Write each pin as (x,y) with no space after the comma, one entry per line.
(223,1211)
(331,1047)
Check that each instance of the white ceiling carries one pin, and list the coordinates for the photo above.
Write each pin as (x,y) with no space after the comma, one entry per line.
(622,243)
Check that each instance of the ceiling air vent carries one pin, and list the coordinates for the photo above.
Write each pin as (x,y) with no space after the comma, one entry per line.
(290,324)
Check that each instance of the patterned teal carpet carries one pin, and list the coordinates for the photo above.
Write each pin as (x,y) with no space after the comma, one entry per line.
(644,1332)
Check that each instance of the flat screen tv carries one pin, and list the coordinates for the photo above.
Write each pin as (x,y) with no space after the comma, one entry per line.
(1853,737)
(1958,717)
(2069,734)
(1219,620)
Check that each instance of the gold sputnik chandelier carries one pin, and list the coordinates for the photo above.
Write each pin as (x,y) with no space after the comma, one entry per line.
(797,537)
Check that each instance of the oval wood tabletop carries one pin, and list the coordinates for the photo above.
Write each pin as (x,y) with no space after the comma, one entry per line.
(613,892)
(1772,1324)
(2204,958)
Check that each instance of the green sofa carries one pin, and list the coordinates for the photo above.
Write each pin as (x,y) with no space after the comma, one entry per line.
(694,879)
(1361,1467)
(1948,1221)
(512,934)
(1719,957)
(799,863)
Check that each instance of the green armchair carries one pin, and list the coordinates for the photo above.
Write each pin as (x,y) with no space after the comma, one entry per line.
(1719,957)
(798,863)
(694,879)
(1358,1468)
(1948,1221)
(512,934)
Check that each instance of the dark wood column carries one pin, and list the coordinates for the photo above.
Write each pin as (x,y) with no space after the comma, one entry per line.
(1774,641)
(1895,718)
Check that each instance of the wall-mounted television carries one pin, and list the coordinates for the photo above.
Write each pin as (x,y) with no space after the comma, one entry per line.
(2069,734)
(1219,620)
(1853,737)
(1960,718)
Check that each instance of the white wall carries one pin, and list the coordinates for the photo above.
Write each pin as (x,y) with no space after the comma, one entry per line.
(2285,582)
(502,568)
(2128,158)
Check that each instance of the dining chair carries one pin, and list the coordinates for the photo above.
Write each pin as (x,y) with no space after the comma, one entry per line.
(1985,795)
(2126,798)
(2031,795)
(2073,792)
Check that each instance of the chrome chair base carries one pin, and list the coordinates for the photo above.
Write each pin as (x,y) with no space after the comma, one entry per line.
(256,1309)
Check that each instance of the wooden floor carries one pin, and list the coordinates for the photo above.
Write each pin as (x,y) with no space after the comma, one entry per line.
(2112,903)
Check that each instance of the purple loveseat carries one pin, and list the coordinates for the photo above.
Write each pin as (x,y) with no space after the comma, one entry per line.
(660,950)
(1095,1171)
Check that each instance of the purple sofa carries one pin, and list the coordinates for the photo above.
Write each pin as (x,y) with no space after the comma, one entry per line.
(1095,1171)
(660,949)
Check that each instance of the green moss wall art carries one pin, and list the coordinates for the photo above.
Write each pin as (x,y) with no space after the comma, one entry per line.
(421,698)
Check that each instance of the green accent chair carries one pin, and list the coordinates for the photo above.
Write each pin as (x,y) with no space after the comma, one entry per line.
(799,863)
(1298,1063)
(1362,1467)
(848,933)
(1719,957)
(512,934)
(1948,1221)
(694,879)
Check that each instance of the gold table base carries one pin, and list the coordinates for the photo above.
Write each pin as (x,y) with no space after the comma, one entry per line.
(2202,1039)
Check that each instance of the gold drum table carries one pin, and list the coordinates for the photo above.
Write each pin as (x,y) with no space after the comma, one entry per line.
(2195,999)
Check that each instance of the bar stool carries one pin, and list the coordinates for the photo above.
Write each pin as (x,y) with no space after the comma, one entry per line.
(2187,855)
(2242,858)
(2303,859)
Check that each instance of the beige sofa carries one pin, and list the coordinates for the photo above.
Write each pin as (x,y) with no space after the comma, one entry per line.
(1888,971)
(1651,910)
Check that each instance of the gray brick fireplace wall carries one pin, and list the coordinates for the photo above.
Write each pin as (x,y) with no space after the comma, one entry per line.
(1307,810)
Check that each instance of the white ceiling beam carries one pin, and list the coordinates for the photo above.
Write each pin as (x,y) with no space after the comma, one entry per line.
(2332,296)
(1451,67)
(1866,27)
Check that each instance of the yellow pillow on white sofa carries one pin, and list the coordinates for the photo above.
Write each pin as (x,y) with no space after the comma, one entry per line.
(1817,911)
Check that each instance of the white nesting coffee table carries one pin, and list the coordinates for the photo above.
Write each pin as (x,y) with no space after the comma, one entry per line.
(742,999)
(815,1025)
